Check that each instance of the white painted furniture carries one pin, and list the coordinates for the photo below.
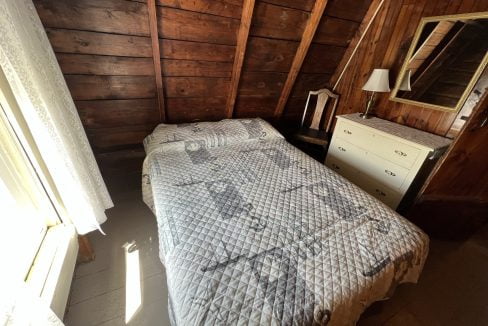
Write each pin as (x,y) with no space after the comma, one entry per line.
(381,157)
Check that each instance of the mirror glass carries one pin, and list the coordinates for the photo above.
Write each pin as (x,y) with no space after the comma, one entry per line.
(445,59)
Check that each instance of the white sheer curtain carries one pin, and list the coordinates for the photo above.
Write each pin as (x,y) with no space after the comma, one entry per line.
(32,71)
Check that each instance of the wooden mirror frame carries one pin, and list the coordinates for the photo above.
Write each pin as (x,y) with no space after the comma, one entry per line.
(418,33)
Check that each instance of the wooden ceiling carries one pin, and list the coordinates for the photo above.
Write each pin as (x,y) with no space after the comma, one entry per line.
(105,52)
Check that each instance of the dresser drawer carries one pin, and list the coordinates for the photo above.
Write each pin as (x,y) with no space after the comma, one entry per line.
(388,196)
(381,192)
(388,148)
(342,168)
(368,164)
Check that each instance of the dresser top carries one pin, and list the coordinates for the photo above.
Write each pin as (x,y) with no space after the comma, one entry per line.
(410,134)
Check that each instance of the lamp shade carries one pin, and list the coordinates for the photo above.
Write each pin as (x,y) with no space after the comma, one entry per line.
(378,81)
(405,85)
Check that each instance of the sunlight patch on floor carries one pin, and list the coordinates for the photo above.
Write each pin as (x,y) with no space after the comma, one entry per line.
(133,295)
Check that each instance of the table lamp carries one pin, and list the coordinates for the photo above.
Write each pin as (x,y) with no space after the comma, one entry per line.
(378,82)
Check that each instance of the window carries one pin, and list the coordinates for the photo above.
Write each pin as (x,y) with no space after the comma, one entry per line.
(25,208)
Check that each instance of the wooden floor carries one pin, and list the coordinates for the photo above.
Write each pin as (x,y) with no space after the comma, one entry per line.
(453,289)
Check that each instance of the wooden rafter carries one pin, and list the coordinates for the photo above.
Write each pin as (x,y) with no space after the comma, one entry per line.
(247,11)
(308,34)
(158,74)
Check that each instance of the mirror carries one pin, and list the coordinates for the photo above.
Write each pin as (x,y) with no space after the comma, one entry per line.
(445,59)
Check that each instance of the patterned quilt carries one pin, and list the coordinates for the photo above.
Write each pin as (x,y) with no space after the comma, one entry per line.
(254,231)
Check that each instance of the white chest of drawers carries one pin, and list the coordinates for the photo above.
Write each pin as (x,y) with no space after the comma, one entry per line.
(380,156)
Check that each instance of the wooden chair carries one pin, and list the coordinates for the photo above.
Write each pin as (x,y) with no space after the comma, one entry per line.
(313,134)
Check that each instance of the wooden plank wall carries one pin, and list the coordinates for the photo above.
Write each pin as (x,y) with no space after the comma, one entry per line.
(276,32)
(385,46)
(104,50)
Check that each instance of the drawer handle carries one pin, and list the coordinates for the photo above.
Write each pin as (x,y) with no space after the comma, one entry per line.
(390,173)
(401,153)
(347,132)
(379,192)
(335,166)
(342,149)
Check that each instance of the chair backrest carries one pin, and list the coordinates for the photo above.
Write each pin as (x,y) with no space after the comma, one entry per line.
(323,96)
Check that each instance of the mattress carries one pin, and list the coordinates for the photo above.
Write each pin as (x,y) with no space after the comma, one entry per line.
(254,231)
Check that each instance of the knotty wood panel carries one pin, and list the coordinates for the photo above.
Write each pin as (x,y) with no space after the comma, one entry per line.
(255,106)
(307,82)
(305,5)
(226,8)
(72,41)
(184,50)
(110,16)
(385,46)
(112,139)
(261,84)
(269,55)
(278,22)
(81,64)
(97,114)
(335,31)
(209,109)
(348,9)
(90,87)
(189,68)
(322,58)
(196,86)
(192,26)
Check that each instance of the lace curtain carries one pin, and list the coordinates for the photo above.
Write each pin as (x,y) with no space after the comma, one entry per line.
(32,71)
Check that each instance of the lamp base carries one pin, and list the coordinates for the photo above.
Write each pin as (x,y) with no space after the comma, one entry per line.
(367,115)
(369,106)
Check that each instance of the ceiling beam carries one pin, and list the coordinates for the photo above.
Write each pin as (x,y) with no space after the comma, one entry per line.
(158,73)
(246,18)
(308,34)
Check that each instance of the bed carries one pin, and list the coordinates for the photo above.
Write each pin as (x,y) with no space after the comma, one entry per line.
(254,231)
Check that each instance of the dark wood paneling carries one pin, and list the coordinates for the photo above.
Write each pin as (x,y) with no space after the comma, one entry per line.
(309,82)
(248,107)
(225,8)
(83,64)
(71,41)
(306,5)
(110,16)
(385,46)
(322,59)
(463,173)
(112,139)
(184,50)
(196,87)
(84,87)
(348,9)
(196,109)
(192,26)
(104,50)
(335,31)
(278,22)
(262,84)
(116,113)
(188,68)
(270,55)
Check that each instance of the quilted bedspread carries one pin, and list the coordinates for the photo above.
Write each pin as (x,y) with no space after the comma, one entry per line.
(254,231)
